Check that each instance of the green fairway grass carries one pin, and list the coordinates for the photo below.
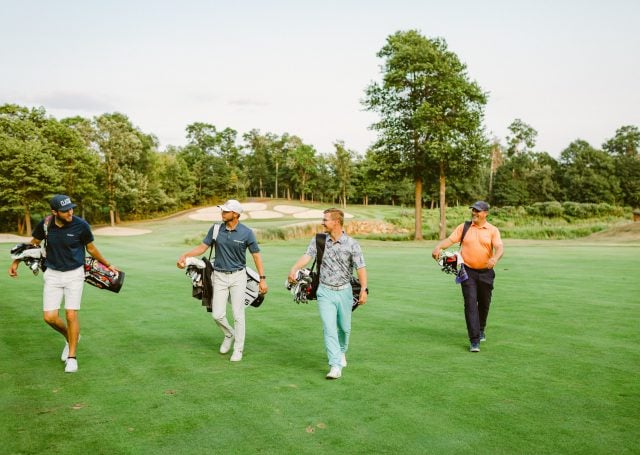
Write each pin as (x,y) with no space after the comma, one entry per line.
(558,373)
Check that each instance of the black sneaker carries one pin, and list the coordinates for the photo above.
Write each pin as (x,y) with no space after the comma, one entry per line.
(475,347)
(482,336)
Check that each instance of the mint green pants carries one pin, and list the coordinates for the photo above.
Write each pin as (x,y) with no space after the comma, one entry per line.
(335,312)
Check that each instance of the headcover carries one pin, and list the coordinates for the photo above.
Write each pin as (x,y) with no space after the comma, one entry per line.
(100,276)
(301,289)
(252,296)
(449,261)
(30,254)
(195,271)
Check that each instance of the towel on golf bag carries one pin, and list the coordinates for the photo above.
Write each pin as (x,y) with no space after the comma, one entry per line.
(30,254)
(100,276)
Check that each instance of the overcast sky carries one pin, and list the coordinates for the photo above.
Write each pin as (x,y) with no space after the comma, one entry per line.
(570,69)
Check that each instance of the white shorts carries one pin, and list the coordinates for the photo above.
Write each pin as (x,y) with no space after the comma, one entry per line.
(63,284)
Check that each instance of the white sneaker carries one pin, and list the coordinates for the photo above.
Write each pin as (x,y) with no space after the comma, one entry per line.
(343,360)
(71,365)
(226,344)
(334,373)
(236,356)
(65,351)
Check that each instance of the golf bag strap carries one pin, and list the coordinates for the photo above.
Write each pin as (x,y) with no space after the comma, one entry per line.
(321,239)
(467,225)
(48,220)
(216,230)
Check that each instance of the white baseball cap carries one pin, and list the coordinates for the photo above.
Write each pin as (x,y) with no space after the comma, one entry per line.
(231,206)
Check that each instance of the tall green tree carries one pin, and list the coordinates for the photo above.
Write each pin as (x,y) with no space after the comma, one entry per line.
(342,164)
(302,161)
(624,147)
(588,174)
(123,151)
(430,112)
(521,138)
(259,172)
(29,173)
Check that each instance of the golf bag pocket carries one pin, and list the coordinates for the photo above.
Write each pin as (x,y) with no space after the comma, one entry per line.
(252,296)
(200,271)
(101,276)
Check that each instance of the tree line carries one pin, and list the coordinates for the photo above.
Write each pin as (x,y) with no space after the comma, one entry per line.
(431,151)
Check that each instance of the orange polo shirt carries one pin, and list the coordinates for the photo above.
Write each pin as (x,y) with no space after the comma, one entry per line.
(477,247)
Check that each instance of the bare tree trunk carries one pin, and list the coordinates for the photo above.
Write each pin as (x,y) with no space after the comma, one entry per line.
(418,207)
(443,203)
(277,165)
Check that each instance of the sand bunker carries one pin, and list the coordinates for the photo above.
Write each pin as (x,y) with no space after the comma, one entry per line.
(289,209)
(207,214)
(251,206)
(264,214)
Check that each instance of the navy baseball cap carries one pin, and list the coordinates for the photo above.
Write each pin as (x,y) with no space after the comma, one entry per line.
(61,203)
(480,206)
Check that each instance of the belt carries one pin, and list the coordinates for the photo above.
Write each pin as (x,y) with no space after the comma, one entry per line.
(336,288)
(229,272)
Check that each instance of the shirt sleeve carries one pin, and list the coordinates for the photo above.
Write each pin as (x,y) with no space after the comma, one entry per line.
(208,239)
(358,257)
(86,236)
(38,231)
(311,249)
(252,243)
(456,235)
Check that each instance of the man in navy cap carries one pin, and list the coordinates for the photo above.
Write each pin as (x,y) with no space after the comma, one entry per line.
(481,249)
(66,236)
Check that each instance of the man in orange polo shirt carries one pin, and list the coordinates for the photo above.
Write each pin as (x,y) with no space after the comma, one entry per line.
(481,250)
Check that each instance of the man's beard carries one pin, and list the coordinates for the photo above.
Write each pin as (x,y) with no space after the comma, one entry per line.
(63,221)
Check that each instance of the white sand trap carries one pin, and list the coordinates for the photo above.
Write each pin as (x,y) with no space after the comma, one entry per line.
(251,206)
(315,214)
(120,231)
(207,214)
(264,214)
(10,238)
(289,209)
(309,214)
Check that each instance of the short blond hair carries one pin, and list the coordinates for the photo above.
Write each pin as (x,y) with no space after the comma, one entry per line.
(336,214)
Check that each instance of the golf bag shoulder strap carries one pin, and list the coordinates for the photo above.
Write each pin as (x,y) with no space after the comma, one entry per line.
(467,225)
(321,240)
(48,221)
(214,236)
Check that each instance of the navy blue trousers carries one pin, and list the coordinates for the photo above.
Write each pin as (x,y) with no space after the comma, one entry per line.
(477,300)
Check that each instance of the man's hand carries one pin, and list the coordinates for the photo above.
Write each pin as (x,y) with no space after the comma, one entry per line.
(13,269)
